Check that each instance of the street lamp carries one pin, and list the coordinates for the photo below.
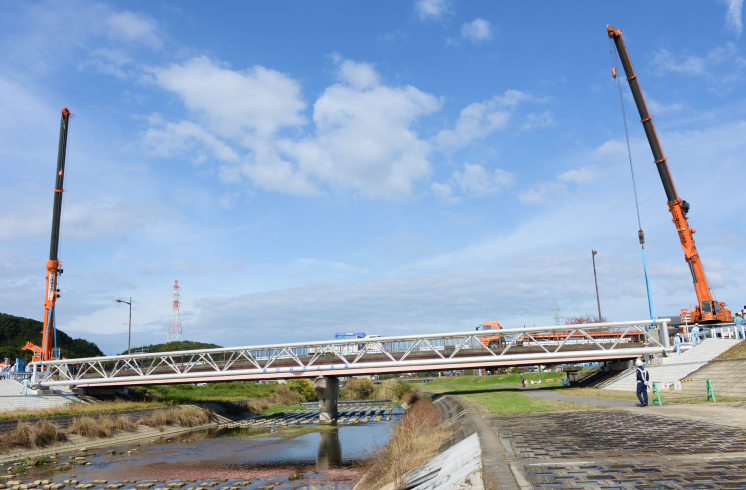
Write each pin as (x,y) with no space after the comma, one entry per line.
(593,257)
(129,339)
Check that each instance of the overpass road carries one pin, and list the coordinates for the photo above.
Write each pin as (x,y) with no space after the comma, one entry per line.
(382,355)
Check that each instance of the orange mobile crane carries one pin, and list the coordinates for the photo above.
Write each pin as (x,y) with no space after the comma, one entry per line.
(53,264)
(708,310)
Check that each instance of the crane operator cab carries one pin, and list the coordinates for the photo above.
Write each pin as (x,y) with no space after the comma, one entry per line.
(492,340)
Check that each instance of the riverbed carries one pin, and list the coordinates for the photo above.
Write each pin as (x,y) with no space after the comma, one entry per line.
(329,455)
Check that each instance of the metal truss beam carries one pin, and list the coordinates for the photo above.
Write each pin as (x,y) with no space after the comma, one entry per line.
(355,356)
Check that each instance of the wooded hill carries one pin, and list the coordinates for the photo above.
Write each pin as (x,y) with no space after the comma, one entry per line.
(15,331)
(174,346)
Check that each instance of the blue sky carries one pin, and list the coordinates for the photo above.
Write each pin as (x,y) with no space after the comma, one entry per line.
(304,168)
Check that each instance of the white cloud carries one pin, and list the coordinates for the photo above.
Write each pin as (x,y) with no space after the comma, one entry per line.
(532,120)
(544,193)
(733,16)
(541,193)
(476,181)
(167,139)
(477,31)
(581,176)
(81,221)
(133,28)
(444,193)
(707,65)
(236,104)
(480,119)
(432,9)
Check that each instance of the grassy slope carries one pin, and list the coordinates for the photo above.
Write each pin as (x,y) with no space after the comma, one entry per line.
(502,399)
(738,350)
(666,396)
(16,331)
(211,392)
(437,385)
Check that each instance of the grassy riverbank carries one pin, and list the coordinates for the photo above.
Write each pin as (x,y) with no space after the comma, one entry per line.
(414,440)
(46,432)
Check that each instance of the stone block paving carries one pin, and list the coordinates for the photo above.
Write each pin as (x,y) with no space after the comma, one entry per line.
(621,450)
(611,433)
(685,476)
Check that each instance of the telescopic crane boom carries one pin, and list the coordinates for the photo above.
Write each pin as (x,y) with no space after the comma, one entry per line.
(708,310)
(53,264)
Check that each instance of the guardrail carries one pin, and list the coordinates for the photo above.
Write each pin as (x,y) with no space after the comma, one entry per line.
(731,332)
(709,393)
(405,353)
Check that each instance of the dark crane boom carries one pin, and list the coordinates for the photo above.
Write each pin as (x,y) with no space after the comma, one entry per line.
(53,264)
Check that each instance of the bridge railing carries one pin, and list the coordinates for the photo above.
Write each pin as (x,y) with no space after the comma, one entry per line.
(549,343)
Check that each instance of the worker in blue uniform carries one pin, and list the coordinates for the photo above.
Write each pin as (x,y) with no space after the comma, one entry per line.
(677,344)
(695,334)
(643,380)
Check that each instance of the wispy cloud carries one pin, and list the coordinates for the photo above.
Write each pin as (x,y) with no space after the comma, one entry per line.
(432,9)
(734,14)
(477,31)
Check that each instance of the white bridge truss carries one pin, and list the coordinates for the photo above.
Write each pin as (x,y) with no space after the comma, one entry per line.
(406,353)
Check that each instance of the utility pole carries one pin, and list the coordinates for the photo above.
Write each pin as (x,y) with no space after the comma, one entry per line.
(129,339)
(595,278)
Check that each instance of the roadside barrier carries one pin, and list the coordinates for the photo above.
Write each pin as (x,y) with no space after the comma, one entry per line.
(710,393)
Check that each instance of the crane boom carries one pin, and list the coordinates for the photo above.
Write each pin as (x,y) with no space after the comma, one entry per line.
(707,309)
(53,264)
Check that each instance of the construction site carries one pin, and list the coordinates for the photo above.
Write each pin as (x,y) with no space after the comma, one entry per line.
(651,403)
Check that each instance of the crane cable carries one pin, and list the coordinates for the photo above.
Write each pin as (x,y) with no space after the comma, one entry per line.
(640,234)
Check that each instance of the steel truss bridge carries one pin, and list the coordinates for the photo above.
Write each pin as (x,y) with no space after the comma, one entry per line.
(354,357)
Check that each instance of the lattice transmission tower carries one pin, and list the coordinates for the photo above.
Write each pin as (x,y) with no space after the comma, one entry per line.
(174,326)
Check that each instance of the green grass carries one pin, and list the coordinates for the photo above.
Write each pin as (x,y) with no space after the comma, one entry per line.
(511,400)
(629,395)
(488,392)
(282,408)
(211,392)
(441,385)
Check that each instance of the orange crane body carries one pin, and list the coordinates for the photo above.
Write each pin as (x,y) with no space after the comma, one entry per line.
(708,310)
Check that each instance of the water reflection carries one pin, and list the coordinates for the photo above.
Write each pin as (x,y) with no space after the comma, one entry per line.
(330,450)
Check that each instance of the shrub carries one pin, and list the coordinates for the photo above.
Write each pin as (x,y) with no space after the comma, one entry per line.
(359,389)
(283,396)
(303,387)
(258,406)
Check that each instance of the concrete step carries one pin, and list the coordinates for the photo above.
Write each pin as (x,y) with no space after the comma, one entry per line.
(676,367)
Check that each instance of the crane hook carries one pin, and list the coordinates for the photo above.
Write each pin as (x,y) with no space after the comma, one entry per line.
(613,73)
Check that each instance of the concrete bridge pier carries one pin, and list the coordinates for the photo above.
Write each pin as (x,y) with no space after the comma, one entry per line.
(327,391)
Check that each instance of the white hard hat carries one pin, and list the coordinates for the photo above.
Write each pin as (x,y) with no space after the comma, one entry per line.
(639,363)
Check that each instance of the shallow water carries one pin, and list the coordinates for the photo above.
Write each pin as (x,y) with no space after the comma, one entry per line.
(329,456)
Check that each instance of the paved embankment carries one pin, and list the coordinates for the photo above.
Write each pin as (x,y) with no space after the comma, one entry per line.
(11,397)
(676,367)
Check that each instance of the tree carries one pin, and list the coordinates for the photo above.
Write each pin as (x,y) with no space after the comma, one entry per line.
(587,318)
(303,387)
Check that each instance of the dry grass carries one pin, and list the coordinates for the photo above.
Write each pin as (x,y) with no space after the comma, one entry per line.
(258,406)
(415,439)
(80,409)
(185,417)
(27,435)
(91,428)
(44,433)
(738,350)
